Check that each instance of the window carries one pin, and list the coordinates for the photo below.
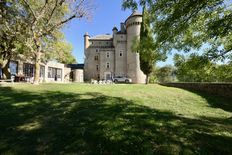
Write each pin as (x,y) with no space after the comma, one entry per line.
(42,71)
(13,67)
(97,50)
(54,72)
(59,73)
(96,57)
(97,67)
(98,76)
(107,65)
(120,53)
(28,69)
(107,54)
(49,72)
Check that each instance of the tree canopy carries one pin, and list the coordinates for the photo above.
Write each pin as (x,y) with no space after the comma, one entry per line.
(196,68)
(190,24)
(12,26)
(42,21)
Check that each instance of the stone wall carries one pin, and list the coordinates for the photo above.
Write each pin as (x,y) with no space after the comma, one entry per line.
(220,89)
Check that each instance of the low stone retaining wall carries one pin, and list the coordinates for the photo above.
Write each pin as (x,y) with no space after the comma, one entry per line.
(220,89)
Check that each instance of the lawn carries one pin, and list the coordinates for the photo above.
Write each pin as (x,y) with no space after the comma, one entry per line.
(112,119)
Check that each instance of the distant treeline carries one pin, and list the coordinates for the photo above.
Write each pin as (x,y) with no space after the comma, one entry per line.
(193,68)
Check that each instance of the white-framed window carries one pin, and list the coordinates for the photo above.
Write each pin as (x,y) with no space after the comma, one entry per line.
(42,71)
(107,54)
(107,65)
(97,67)
(13,67)
(28,69)
(54,73)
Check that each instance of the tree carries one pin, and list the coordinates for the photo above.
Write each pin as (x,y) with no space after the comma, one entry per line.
(166,74)
(186,24)
(194,68)
(59,50)
(45,18)
(12,34)
(223,73)
(147,47)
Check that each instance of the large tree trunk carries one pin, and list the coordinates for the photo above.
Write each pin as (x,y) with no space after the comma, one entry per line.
(6,70)
(147,79)
(37,66)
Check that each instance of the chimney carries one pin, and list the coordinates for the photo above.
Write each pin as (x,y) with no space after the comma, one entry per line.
(115,30)
(122,27)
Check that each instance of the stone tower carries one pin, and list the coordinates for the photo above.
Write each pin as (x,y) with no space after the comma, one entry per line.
(133,24)
(86,40)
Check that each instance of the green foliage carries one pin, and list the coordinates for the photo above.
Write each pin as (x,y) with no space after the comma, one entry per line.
(13,34)
(146,47)
(64,52)
(166,74)
(223,73)
(187,24)
(58,49)
(197,68)
(42,21)
(12,31)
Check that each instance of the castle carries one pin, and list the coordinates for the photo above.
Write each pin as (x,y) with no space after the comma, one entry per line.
(111,55)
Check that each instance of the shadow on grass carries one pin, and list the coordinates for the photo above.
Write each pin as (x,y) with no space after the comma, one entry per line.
(92,123)
(213,100)
(216,101)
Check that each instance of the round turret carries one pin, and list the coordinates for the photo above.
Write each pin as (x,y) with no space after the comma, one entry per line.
(133,24)
(86,40)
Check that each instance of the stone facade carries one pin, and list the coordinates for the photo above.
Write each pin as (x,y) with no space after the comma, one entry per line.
(110,55)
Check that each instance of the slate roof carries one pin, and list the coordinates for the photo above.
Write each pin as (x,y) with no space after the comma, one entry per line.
(135,13)
(102,37)
(76,66)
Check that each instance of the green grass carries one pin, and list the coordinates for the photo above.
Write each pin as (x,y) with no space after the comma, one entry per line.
(112,119)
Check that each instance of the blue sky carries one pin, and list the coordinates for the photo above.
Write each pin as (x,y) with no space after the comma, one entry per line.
(108,14)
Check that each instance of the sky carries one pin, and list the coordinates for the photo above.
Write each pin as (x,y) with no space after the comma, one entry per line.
(108,13)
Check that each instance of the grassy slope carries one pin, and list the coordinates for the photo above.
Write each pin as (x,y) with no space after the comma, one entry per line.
(112,119)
